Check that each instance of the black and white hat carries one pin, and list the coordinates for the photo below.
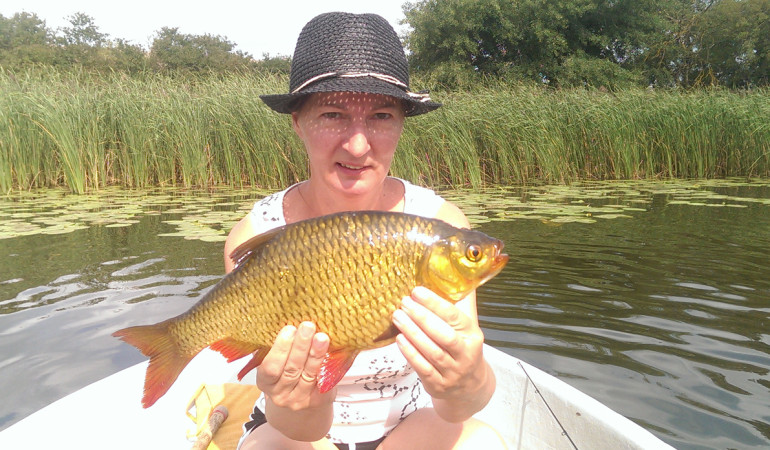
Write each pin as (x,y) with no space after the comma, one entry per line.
(343,52)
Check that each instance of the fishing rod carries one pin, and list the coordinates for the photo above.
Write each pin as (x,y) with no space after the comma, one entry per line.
(563,430)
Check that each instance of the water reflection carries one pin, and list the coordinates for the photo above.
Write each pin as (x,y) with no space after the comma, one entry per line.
(70,292)
(664,317)
(662,314)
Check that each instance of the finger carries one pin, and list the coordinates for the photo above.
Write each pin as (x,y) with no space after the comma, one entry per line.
(438,331)
(443,308)
(300,351)
(420,342)
(272,366)
(318,348)
(426,371)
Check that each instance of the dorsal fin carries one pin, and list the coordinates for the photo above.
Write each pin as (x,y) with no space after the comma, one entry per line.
(251,246)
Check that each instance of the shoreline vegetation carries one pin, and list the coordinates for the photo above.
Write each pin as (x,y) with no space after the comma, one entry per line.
(86,132)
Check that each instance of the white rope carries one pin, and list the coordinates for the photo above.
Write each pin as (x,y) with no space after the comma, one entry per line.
(422,97)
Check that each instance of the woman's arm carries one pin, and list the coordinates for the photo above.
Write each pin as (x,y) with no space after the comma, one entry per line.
(287,376)
(240,233)
(444,344)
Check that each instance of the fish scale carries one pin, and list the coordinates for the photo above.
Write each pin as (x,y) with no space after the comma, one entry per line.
(345,272)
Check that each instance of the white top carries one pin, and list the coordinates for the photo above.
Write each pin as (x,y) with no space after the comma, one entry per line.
(381,389)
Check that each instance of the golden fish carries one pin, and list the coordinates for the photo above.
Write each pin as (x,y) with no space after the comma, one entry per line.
(345,272)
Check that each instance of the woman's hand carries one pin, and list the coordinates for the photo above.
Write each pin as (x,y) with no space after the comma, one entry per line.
(445,348)
(288,373)
(287,376)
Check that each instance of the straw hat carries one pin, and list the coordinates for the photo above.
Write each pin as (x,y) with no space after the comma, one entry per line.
(343,52)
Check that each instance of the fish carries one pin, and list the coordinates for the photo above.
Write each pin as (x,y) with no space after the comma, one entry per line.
(346,272)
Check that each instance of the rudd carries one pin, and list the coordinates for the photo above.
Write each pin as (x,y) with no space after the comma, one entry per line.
(345,272)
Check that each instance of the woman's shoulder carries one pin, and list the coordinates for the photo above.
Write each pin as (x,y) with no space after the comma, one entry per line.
(266,214)
(420,200)
(426,202)
(453,215)
(240,233)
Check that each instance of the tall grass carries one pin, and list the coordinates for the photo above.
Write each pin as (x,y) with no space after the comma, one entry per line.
(86,132)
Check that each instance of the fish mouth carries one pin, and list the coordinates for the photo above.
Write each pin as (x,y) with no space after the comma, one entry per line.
(500,259)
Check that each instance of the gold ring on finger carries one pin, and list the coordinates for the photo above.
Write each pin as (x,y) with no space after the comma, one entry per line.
(307,378)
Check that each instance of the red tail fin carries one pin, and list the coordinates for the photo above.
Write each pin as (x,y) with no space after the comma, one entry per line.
(165,361)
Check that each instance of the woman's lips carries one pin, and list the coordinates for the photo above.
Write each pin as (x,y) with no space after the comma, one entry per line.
(351,167)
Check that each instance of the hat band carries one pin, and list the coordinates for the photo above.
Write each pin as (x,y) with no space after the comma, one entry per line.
(419,96)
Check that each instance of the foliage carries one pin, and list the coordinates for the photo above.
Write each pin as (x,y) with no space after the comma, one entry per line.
(457,44)
(594,42)
(531,39)
(173,51)
(735,43)
(90,131)
(26,41)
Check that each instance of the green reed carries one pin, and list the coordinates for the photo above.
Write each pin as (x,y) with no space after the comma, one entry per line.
(85,132)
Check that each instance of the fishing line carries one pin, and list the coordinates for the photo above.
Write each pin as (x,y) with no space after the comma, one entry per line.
(563,430)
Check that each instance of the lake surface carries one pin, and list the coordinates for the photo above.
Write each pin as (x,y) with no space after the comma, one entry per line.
(652,297)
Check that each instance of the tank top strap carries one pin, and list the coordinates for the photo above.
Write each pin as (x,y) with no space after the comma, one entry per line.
(420,201)
(267,213)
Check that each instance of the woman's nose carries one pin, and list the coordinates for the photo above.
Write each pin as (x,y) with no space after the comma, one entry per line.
(358,141)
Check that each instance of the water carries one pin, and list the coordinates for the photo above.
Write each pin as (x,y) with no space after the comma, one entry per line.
(654,298)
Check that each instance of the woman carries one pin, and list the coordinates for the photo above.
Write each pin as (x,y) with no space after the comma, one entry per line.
(348,99)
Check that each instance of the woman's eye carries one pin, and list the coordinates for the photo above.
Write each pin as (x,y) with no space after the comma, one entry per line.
(331,115)
(383,116)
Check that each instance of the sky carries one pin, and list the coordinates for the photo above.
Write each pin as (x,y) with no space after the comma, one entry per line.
(255,26)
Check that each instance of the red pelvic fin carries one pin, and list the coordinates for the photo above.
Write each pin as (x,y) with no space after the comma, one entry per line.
(233,349)
(254,362)
(165,361)
(335,365)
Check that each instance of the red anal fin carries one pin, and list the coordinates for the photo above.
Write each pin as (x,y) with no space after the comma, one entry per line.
(335,365)
(254,362)
(233,349)
(166,363)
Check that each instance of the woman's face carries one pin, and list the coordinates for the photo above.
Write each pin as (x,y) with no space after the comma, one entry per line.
(350,138)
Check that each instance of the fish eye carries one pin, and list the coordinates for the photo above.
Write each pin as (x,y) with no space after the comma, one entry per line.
(473,253)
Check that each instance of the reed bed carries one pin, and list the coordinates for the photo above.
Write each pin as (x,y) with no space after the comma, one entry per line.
(86,132)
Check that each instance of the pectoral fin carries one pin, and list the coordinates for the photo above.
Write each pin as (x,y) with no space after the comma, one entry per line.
(388,335)
(252,246)
(254,362)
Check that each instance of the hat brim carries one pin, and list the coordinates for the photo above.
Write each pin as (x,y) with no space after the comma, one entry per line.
(286,103)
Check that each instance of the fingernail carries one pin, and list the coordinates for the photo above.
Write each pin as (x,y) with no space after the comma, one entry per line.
(420,292)
(288,332)
(407,303)
(306,329)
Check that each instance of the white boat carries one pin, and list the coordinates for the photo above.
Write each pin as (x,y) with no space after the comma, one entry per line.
(108,413)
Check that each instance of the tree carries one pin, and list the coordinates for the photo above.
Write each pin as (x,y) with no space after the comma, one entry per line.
(83,32)
(175,51)
(734,42)
(530,39)
(82,41)
(275,64)
(126,57)
(712,42)
(24,40)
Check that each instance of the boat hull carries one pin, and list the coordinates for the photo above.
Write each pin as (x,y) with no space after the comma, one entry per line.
(108,412)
